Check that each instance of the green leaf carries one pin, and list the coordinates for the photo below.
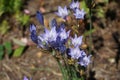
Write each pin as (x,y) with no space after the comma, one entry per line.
(18,52)
(4,27)
(84,6)
(22,18)
(17,5)
(89,32)
(100,13)
(1,8)
(1,52)
(8,47)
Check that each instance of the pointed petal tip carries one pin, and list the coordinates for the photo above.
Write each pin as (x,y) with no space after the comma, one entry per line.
(40,17)
(32,27)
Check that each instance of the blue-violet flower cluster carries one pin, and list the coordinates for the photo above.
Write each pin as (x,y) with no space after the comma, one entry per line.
(76,53)
(54,38)
(78,13)
(57,37)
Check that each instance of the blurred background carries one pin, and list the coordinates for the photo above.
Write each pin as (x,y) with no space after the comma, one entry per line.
(20,57)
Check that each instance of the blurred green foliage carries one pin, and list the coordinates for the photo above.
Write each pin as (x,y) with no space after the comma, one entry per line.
(1,51)
(10,6)
(84,6)
(95,6)
(11,12)
(7,49)
(11,9)
(18,52)
(4,27)
(22,18)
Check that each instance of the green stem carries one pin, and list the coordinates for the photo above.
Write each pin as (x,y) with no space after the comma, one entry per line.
(62,69)
(73,71)
(66,67)
(90,35)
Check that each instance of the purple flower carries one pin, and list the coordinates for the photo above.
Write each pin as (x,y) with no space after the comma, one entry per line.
(41,42)
(53,23)
(25,78)
(63,34)
(50,35)
(79,14)
(62,48)
(74,5)
(32,28)
(75,53)
(83,54)
(40,17)
(84,61)
(77,41)
(47,37)
(58,45)
(60,28)
(62,12)
(33,34)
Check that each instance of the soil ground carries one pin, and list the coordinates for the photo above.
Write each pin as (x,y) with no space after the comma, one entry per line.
(41,66)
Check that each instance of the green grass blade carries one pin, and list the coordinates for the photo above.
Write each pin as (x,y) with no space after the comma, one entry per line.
(8,47)
(1,52)
(18,52)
